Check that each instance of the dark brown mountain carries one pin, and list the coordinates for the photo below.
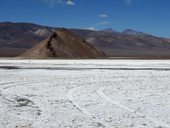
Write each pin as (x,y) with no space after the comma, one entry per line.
(18,37)
(22,35)
(63,44)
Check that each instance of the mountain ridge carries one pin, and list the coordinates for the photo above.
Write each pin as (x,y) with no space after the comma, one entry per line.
(24,36)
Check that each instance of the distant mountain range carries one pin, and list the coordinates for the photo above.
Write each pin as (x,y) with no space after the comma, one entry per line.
(16,38)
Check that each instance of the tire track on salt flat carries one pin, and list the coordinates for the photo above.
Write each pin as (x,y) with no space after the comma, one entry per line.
(82,109)
(100,92)
(75,104)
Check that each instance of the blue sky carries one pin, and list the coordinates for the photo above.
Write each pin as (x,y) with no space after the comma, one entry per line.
(150,16)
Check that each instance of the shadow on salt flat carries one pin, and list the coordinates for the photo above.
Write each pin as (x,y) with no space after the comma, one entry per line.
(70,68)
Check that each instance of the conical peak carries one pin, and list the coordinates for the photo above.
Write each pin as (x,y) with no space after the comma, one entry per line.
(64,35)
(64,31)
(64,44)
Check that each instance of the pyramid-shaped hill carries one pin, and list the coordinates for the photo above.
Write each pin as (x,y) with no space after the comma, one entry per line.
(63,44)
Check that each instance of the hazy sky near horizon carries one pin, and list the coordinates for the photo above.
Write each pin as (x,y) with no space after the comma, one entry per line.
(150,16)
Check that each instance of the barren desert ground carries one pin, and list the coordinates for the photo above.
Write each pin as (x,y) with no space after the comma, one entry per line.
(84,93)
